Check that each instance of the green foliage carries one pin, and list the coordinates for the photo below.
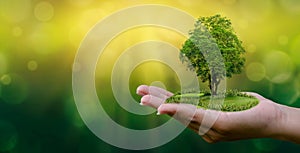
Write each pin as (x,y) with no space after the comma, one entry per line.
(186,91)
(201,51)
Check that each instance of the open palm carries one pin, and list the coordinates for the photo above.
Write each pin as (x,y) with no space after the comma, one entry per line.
(262,120)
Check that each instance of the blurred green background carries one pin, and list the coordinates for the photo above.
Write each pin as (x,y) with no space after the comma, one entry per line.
(39,40)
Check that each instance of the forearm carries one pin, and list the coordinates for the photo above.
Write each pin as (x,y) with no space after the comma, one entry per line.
(288,126)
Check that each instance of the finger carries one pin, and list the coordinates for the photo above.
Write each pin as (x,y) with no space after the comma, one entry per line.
(152,101)
(189,115)
(172,109)
(159,91)
(152,90)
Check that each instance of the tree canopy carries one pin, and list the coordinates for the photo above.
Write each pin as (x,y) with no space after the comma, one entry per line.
(210,37)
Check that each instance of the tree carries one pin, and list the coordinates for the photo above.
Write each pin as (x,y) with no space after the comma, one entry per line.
(211,36)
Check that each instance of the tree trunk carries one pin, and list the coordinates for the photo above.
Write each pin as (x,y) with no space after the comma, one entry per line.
(214,83)
(214,88)
(210,83)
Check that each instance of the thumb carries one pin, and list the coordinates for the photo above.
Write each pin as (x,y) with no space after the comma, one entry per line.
(182,112)
(169,109)
(187,113)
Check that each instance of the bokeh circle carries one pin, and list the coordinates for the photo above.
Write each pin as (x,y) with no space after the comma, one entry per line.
(255,71)
(279,67)
(9,136)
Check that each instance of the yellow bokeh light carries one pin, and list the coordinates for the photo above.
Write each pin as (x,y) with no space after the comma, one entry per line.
(251,48)
(291,5)
(45,39)
(15,89)
(17,31)
(15,10)
(279,66)
(32,65)
(6,79)
(255,71)
(283,40)
(44,11)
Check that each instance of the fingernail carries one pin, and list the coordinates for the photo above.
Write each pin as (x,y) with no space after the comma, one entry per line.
(137,91)
(158,113)
(141,103)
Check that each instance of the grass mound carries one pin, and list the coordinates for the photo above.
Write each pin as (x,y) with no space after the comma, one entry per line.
(233,100)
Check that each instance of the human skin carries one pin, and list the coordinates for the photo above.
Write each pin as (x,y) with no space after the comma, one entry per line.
(266,120)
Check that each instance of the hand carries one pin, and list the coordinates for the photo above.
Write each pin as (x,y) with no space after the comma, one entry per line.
(267,119)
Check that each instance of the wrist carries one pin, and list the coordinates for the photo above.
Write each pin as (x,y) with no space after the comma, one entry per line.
(287,127)
(278,128)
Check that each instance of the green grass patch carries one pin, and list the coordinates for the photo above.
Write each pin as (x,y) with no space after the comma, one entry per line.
(233,101)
